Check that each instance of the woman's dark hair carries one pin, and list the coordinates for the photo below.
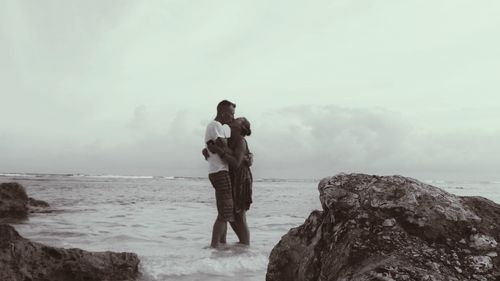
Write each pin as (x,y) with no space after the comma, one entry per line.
(245,126)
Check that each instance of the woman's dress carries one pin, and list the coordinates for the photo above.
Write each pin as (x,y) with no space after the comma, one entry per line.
(242,180)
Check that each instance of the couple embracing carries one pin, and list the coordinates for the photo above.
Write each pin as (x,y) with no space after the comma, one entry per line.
(229,161)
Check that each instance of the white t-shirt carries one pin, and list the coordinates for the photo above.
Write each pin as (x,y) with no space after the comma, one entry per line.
(216,130)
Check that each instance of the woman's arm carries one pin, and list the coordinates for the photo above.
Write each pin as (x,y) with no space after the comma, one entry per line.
(238,156)
(233,158)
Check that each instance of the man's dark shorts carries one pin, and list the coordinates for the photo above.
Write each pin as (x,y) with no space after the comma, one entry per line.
(223,195)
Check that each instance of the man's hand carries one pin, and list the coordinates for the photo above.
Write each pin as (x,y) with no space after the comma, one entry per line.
(214,148)
(205,153)
(248,159)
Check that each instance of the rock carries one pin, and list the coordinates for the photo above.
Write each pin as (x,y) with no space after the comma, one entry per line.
(21,259)
(13,201)
(390,228)
(482,242)
(37,203)
(481,264)
(38,206)
(389,222)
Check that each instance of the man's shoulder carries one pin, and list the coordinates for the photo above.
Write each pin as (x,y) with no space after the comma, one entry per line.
(216,129)
(214,124)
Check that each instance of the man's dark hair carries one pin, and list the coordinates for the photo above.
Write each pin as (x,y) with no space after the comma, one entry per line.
(223,105)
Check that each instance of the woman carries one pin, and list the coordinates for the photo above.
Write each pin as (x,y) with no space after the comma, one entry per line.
(239,158)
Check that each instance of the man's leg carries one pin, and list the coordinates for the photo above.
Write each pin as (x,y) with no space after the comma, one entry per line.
(217,232)
(223,195)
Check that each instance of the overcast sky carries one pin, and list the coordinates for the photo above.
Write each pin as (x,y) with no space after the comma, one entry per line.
(127,87)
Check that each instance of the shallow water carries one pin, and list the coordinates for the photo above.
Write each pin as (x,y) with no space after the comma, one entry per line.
(168,221)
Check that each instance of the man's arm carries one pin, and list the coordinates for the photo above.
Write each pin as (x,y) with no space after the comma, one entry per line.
(216,134)
(233,158)
(205,153)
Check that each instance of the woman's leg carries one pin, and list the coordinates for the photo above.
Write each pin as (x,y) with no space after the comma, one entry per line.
(236,226)
(241,219)
(224,234)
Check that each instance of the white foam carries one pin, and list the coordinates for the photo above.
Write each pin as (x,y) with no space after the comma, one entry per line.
(230,265)
(119,177)
(14,175)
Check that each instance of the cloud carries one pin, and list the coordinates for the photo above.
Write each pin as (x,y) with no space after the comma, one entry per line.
(140,118)
(314,141)
(122,87)
(307,141)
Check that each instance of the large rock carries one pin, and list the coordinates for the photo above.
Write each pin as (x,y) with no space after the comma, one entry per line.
(15,203)
(390,228)
(23,260)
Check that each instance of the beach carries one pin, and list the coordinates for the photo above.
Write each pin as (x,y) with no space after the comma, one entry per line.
(167,221)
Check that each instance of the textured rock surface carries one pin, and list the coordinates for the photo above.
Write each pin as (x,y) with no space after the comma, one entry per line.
(22,260)
(38,206)
(390,228)
(37,203)
(15,203)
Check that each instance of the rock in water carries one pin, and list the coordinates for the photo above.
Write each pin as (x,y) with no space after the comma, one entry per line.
(38,206)
(37,203)
(13,201)
(21,259)
(390,228)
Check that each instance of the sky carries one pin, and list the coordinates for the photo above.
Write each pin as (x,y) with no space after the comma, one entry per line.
(128,87)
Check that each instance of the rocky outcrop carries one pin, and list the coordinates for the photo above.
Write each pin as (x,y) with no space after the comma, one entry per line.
(38,206)
(390,228)
(34,203)
(15,203)
(23,260)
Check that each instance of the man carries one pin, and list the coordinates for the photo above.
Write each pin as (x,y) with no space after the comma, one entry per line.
(218,171)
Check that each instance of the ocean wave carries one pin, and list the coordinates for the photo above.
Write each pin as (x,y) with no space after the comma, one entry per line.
(168,177)
(120,177)
(78,175)
(15,175)
(219,263)
(126,177)
(284,180)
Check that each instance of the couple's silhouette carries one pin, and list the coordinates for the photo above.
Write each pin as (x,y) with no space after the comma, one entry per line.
(229,160)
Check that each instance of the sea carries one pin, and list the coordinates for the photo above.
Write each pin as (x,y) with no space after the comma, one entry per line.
(168,221)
